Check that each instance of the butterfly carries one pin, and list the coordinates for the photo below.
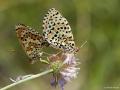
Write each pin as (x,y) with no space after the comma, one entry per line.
(57,32)
(31,41)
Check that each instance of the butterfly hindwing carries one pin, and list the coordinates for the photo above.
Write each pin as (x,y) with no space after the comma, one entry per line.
(31,41)
(57,31)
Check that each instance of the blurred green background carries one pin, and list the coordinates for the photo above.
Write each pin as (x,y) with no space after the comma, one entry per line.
(97,21)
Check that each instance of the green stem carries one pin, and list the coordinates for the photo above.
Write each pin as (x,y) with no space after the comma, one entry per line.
(27,79)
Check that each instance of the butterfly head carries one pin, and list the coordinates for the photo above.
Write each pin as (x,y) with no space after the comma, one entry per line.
(76,49)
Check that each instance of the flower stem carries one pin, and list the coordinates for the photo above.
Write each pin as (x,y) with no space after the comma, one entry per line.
(27,79)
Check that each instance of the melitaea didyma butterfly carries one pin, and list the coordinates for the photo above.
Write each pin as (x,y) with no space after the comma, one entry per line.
(31,41)
(57,32)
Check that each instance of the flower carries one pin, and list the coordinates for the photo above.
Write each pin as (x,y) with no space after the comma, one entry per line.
(71,70)
(65,68)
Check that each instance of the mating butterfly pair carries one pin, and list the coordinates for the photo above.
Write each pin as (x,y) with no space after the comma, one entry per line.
(56,33)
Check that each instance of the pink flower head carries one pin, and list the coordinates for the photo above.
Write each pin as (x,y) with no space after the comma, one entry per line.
(65,68)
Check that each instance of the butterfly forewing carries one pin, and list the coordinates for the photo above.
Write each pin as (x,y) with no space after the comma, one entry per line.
(31,41)
(57,31)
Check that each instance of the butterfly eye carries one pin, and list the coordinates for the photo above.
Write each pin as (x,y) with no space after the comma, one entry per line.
(77,49)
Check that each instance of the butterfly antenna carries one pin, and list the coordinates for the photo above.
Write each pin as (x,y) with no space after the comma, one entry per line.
(11,51)
(83,44)
(58,52)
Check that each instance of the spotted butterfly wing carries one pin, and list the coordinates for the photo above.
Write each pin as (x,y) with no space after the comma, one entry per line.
(57,31)
(31,41)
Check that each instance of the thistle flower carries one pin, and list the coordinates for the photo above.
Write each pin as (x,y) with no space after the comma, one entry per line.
(65,68)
